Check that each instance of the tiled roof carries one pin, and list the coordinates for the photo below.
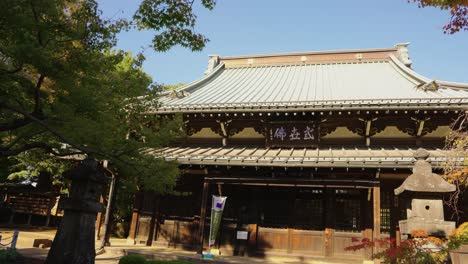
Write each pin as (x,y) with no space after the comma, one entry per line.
(314,85)
(299,157)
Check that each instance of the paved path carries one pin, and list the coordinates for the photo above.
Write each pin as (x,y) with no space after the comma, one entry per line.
(119,248)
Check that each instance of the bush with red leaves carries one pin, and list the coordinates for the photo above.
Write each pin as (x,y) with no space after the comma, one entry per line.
(411,251)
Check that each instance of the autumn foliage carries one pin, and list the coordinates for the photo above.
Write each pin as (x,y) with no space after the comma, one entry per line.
(458,11)
(420,249)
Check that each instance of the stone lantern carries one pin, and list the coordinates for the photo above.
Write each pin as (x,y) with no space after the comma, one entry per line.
(74,241)
(422,194)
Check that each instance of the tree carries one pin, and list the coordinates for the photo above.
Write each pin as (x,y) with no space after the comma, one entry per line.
(458,10)
(454,172)
(63,92)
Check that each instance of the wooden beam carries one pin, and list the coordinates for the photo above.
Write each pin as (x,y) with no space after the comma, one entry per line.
(420,127)
(201,228)
(332,183)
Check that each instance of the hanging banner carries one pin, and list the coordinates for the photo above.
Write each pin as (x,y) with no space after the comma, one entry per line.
(216,216)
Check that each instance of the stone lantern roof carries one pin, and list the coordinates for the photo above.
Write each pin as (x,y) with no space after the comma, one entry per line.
(422,179)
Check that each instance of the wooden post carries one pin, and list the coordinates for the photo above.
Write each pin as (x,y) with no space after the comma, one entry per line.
(29,220)
(368,252)
(366,216)
(154,216)
(376,226)
(49,209)
(330,221)
(201,228)
(328,238)
(99,221)
(398,238)
(290,234)
(134,222)
(253,229)
(109,209)
(12,216)
(133,226)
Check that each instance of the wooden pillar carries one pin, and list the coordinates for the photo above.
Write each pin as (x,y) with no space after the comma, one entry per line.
(28,223)
(134,222)
(328,238)
(376,226)
(366,218)
(330,220)
(290,235)
(49,210)
(253,229)
(99,220)
(154,216)
(12,216)
(394,211)
(201,228)
(133,228)
(397,238)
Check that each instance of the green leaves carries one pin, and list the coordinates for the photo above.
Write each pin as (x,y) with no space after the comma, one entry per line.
(174,22)
(64,91)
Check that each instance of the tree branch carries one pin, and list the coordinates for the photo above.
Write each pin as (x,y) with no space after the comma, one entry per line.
(36,18)
(36,93)
(17,123)
(19,68)
(48,128)
(62,139)
(80,148)
(17,139)
(36,145)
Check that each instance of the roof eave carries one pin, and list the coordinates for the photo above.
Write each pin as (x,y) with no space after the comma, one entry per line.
(200,81)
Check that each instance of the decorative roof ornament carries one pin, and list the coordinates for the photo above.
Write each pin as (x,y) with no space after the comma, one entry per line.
(430,86)
(212,63)
(422,179)
(403,53)
(179,94)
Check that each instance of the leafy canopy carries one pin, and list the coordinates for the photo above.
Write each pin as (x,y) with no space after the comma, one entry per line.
(63,92)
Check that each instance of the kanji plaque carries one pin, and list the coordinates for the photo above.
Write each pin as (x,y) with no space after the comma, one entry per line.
(292,134)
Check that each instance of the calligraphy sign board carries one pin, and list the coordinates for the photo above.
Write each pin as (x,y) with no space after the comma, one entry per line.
(292,134)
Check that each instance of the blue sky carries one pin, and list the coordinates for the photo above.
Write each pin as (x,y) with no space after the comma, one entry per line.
(242,27)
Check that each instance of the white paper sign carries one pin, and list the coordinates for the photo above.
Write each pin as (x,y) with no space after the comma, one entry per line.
(242,235)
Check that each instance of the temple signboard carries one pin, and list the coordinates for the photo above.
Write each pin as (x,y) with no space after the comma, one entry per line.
(292,134)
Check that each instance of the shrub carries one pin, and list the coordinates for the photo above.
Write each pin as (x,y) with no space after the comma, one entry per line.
(458,237)
(411,251)
(8,256)
(133,259)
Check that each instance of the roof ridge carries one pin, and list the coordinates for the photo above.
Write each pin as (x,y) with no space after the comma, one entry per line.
(309,53)
(305,64)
